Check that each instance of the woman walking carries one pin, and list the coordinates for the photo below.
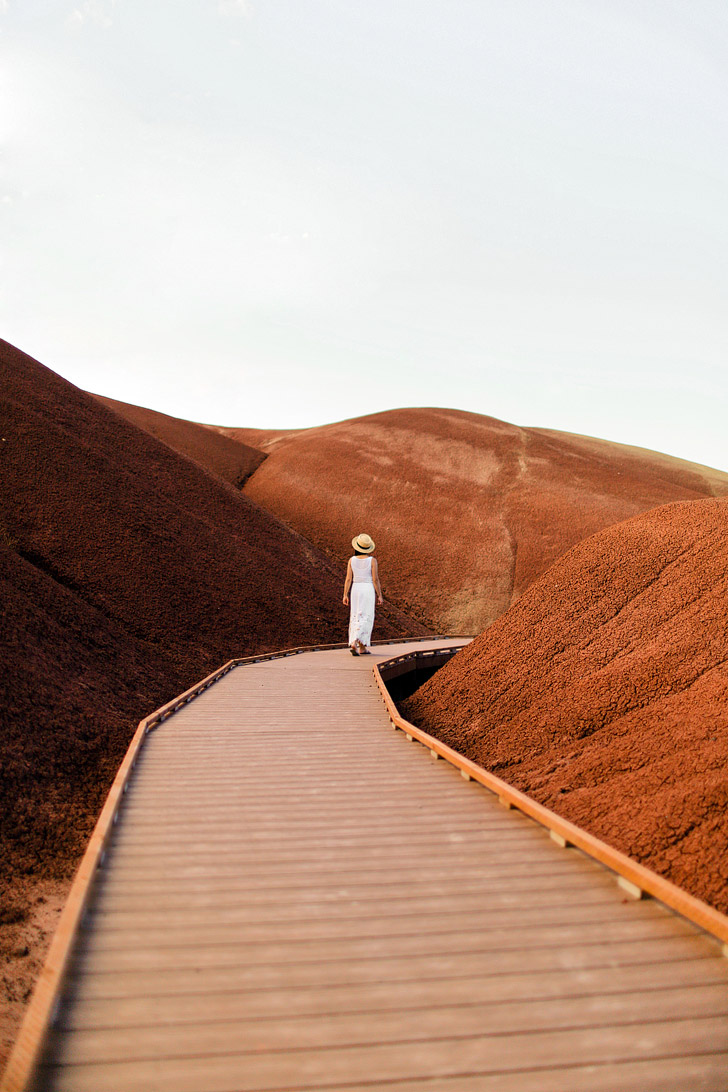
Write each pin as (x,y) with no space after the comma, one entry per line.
(362,577)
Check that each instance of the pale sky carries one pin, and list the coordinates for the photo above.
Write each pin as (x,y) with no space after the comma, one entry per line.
(280,213)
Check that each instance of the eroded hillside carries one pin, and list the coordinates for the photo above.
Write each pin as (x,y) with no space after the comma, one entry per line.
(467,511)
(603,692)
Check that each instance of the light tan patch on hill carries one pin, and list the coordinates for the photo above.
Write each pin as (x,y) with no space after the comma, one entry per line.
(466,510)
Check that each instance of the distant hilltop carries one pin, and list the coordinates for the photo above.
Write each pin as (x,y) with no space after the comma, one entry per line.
(466,510)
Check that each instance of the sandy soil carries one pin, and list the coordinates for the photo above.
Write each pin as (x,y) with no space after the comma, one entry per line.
(467,511)
(28,918)
(603,693)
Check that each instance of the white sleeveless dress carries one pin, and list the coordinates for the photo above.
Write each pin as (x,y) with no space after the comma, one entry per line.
(362,599)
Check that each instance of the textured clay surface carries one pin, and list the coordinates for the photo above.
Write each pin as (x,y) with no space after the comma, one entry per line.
(603,693)
(466,511)
(228,459)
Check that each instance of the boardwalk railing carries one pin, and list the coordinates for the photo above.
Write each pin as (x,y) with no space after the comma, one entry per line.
(634,878)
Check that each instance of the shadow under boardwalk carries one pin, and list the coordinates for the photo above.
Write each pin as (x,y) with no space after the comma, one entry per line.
(298,898)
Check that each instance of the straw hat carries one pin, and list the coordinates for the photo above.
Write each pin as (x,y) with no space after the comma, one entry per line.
(363,544)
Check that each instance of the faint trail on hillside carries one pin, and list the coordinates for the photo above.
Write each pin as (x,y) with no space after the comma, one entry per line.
(518,475)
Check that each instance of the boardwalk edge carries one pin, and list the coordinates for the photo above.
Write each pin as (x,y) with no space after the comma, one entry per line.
(635,879)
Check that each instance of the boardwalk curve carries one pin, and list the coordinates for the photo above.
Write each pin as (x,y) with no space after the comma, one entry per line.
(295,897)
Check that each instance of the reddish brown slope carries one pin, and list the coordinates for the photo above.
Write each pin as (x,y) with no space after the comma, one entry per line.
(466,511)
(229,459)
(128,573)
(604,692)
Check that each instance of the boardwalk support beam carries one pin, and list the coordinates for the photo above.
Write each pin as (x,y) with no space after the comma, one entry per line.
(630,888)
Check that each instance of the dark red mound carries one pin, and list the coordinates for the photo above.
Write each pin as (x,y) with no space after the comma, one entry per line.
(127,573)
(466,511)
(230,459)
(603,692)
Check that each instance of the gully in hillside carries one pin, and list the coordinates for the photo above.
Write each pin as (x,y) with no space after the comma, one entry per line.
(362,578)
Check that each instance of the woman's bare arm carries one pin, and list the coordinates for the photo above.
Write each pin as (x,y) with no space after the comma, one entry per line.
(347,583)
(375,579)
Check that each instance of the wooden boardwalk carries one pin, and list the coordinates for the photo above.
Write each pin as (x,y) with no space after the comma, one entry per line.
(298,898)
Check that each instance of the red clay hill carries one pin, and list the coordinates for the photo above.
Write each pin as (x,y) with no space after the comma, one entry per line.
(466,511)
(603,692)
(127,572)
(228,459)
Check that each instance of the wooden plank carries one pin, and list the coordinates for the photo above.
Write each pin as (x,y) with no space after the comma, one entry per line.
(369,823)
(476,857)
(357,910)
(245,975)
(390,997)
(259,842)
(371,1028)
(234,833)
(251,880)
(148,959)
(187,810)
(376,802)
(283,852)
(490,1054)
(706,1073)
(183,809)
(354,913)
(519,920)
(254,847)
(326,896)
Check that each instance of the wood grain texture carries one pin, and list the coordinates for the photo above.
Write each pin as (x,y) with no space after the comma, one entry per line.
(296,897)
